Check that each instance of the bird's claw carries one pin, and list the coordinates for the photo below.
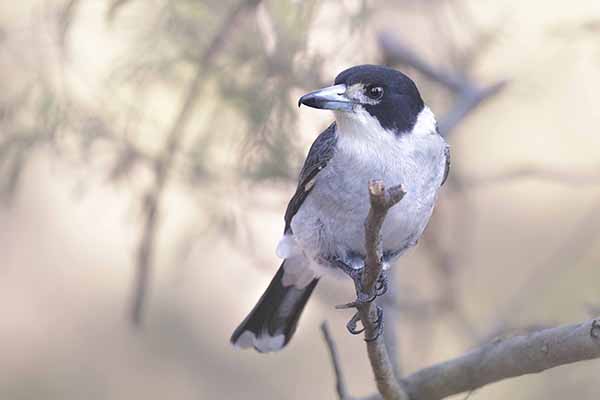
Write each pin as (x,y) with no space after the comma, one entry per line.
(363,298)
(351,325)
(381,287)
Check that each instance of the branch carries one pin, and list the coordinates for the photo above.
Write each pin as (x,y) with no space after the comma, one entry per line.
(507,358)
(392,316)
(163,166)
(381,201)
(504,358)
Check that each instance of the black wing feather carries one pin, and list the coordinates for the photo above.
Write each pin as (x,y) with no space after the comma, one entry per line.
(320,153)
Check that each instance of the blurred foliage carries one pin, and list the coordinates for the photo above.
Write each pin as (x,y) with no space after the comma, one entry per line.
(245,121)
(28,119)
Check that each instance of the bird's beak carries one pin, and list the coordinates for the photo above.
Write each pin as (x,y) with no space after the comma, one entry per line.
(329,98)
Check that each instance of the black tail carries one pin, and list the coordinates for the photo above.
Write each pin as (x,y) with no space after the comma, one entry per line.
(272,322)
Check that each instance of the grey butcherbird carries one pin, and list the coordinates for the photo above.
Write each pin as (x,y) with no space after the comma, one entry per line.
(382,130)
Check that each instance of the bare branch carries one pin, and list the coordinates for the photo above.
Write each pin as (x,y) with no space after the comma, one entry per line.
(504,358)
(381,201)
(507,358)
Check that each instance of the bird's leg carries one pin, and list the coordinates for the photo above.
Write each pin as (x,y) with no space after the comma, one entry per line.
(356,275)
(363,298)
(351,325)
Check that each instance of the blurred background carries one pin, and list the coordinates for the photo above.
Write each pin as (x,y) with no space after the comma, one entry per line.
(148,150)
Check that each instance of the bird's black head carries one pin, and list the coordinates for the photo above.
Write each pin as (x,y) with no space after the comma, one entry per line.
(386,94)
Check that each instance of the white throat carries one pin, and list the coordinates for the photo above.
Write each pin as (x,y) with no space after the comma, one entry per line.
(359,125)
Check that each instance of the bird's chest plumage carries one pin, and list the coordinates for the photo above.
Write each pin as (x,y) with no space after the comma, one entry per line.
(331,222)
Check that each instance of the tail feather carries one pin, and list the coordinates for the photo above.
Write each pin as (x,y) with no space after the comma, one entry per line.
(272,322)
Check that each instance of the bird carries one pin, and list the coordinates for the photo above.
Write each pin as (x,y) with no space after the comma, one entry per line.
(382,130)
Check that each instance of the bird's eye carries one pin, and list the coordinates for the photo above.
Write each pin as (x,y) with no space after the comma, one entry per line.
(375,92)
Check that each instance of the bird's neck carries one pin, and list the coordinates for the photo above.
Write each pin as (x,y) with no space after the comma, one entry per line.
(361,137)
(359,126)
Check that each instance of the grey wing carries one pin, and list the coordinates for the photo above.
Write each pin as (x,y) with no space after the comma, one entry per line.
(447,170)
(320,153)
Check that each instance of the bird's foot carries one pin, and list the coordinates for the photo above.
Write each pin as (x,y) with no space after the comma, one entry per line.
(381,287)
(363,298)
(352,325)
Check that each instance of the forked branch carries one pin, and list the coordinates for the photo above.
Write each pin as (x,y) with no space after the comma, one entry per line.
(501,359)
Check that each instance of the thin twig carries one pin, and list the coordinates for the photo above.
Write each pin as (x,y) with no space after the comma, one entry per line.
(340,383)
